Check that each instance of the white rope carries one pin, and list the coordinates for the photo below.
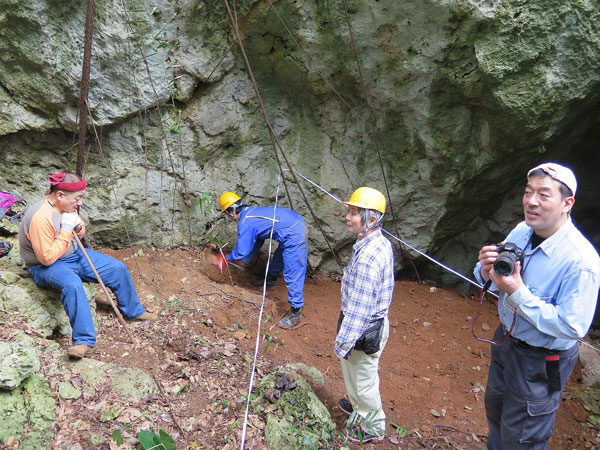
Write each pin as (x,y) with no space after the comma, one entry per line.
(443,266)
(397,238)
(260,314)
(589,345)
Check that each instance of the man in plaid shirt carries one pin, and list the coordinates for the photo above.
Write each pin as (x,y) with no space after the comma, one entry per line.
(367,288)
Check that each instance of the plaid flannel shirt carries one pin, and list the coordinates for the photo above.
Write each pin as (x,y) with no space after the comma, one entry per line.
(367,288)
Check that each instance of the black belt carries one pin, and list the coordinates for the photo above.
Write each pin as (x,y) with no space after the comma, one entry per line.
(524,344)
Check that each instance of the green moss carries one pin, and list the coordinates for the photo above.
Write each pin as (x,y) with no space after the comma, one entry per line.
(13,414)
(66,390)
(31,407)
(110,413)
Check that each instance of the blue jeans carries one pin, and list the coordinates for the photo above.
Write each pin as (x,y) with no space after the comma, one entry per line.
(66,275)
(520,405)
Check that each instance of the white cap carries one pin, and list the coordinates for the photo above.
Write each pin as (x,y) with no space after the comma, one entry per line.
(558,173)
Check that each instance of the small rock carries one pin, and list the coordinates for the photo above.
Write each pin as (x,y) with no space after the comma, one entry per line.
(432,289)
(434,413)
(67,391)
(110,413)
(273,395)
(428,324)
(485,326)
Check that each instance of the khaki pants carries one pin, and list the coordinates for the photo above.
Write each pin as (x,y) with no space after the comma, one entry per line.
(362,380)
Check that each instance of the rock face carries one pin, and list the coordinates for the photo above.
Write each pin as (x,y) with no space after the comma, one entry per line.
(462,97)
(18,362)
(28,413)
(41,307)
(27,399)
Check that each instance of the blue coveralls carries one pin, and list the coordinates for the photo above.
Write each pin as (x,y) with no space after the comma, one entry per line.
(291,255)
(66,275)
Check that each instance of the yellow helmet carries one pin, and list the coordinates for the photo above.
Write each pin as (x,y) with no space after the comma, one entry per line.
(368,198)
(227,199)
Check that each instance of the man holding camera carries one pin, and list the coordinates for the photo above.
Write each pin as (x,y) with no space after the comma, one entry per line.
(548,301)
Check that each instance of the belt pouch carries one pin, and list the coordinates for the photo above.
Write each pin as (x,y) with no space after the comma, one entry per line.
(553,372)
(370,340)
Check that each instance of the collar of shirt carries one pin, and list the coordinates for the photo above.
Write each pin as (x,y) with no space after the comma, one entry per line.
(550,245)
(361,243)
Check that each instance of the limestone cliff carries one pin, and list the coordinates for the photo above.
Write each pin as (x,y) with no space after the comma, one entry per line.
(466,95)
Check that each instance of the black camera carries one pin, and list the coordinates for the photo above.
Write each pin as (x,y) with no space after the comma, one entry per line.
(508,254)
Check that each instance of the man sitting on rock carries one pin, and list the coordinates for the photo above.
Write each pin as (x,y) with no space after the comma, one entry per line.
(55,261)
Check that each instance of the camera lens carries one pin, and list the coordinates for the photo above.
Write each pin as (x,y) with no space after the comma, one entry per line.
(505,264)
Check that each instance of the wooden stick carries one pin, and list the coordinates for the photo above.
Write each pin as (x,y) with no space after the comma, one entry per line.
(112,303)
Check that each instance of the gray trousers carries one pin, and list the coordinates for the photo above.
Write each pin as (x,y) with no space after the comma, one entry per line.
(520,399)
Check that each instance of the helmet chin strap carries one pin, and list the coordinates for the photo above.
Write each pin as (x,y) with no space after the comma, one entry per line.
(377,223)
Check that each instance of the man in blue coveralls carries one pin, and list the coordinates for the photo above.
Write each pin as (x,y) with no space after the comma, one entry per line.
(290,258)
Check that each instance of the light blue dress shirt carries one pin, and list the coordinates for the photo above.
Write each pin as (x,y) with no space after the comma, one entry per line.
(555,305)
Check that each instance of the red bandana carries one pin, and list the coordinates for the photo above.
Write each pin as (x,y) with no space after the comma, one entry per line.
(57,181)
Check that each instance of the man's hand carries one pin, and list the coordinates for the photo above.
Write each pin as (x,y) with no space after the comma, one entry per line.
(487,256)
(510,283)
(68,221)
(221,262)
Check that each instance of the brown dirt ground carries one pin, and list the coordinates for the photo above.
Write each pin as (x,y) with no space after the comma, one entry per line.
(198,353)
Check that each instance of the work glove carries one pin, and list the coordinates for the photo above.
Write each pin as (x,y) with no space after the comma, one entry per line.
(221,262)
(68,221)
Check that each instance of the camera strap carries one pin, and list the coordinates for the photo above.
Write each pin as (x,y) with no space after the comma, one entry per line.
(485,288)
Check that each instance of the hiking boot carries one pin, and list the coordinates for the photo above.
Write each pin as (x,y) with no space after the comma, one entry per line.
(291,319)
(346,406)
(358,436)
(259,280)
(147,316)
(79,351)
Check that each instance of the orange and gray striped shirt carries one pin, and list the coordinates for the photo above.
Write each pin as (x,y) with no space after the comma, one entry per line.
(40,237)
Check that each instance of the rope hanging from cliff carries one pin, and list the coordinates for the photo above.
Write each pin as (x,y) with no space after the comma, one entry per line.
(272,132)
(84,111)
(85,84)
(165,146)
(339,95)
(308,58)
(371,122)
